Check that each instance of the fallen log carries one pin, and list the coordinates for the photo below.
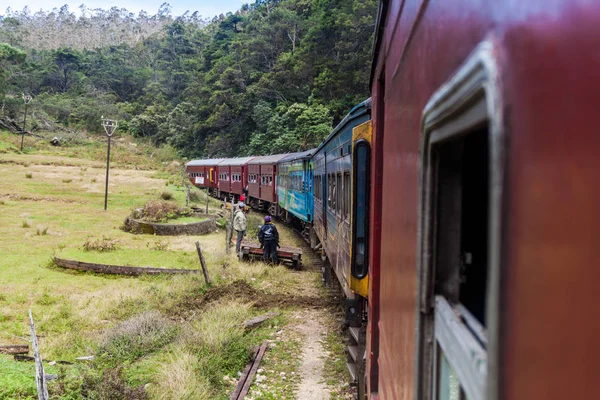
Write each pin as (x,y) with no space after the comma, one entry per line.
(14,349)
(118,269)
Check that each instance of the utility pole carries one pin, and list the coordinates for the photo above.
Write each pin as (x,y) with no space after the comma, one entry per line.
(27,99)
(110,126)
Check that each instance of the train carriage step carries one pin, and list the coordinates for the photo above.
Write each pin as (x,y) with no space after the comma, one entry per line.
(352,370)
(353,351)
(354,332)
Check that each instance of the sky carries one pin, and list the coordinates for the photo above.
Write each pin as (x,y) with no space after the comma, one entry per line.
(206,8)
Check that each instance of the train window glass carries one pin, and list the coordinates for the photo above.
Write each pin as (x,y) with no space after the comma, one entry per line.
(339,196)
(347,191)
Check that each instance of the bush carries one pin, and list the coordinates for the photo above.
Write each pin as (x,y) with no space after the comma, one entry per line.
(110,385)
(28,175)
(136,337)
(166,196)
(101,245)
(162,210)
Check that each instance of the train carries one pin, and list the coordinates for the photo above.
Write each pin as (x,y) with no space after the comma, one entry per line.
(458,206)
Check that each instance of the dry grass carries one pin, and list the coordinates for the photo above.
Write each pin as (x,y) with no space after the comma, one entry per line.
(177,378)
(101,245)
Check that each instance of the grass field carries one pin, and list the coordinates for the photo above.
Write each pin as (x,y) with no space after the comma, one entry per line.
(153,337)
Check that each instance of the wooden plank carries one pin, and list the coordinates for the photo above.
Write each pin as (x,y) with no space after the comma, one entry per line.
(14,349)
(203,263)
(252,322)
(40,376)
(246,387)
(244,376)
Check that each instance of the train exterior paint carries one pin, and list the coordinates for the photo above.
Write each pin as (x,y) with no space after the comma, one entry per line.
(503,94)
(264,176)
(295,185)
(233,175)
(332,163)
(203,173)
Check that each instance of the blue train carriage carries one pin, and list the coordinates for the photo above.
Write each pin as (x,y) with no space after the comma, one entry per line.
(295,190)
(333,168)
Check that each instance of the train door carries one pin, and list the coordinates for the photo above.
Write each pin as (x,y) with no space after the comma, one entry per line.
(308,188)
(326,194)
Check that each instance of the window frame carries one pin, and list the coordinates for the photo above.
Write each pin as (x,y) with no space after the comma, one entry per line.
(471,97)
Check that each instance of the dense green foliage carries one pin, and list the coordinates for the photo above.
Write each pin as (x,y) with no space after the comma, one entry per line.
(273,77)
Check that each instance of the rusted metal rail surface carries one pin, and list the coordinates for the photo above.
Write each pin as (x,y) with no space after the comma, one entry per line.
(284,253)
(119,270)
(243,386)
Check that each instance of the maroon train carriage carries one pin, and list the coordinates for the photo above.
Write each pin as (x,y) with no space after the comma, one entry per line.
(233,177)
(483,257)
(262,182)
(203,173)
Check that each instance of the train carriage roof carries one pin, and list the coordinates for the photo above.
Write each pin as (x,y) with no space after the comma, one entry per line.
(204,163)
(234,162)
(297,156)
(274,159)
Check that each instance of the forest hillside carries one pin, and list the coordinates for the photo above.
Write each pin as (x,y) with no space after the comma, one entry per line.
(275,76)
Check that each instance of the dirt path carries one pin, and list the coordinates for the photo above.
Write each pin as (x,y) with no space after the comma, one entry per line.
(312,386)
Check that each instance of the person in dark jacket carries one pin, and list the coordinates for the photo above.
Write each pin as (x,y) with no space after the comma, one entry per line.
(269,240)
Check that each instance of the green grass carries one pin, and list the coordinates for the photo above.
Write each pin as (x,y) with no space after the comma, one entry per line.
(17,380)
(75,313)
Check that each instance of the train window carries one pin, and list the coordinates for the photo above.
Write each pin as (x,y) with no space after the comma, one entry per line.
(318,187)
(338,194)
(459,257)
(347,191)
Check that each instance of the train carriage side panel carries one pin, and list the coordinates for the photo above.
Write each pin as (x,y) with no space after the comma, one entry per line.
(333,169)
(224,176)
(239,174)
(538,62)
(253,181)
(294,185)
(202,172)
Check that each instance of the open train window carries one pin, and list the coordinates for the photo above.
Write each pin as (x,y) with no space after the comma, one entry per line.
(459,256)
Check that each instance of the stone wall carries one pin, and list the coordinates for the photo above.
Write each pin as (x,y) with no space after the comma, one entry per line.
(152,228)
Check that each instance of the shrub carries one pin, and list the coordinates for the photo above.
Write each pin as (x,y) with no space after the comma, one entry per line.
(25,224)
(67,180)
(161,245)
(28,175)
(166,195)
(93,180)
(42,230)
(136,337)
(160,210)
(110,385)
(194,196)
(101,245)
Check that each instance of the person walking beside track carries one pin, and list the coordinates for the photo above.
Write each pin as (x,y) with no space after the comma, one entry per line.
(269,240)
(239,225)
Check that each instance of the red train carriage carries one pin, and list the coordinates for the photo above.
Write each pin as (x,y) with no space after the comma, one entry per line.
(262,182)
(233,176)
(483,281)
(203,173)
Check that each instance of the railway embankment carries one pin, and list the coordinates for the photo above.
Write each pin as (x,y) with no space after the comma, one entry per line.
(150,336)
